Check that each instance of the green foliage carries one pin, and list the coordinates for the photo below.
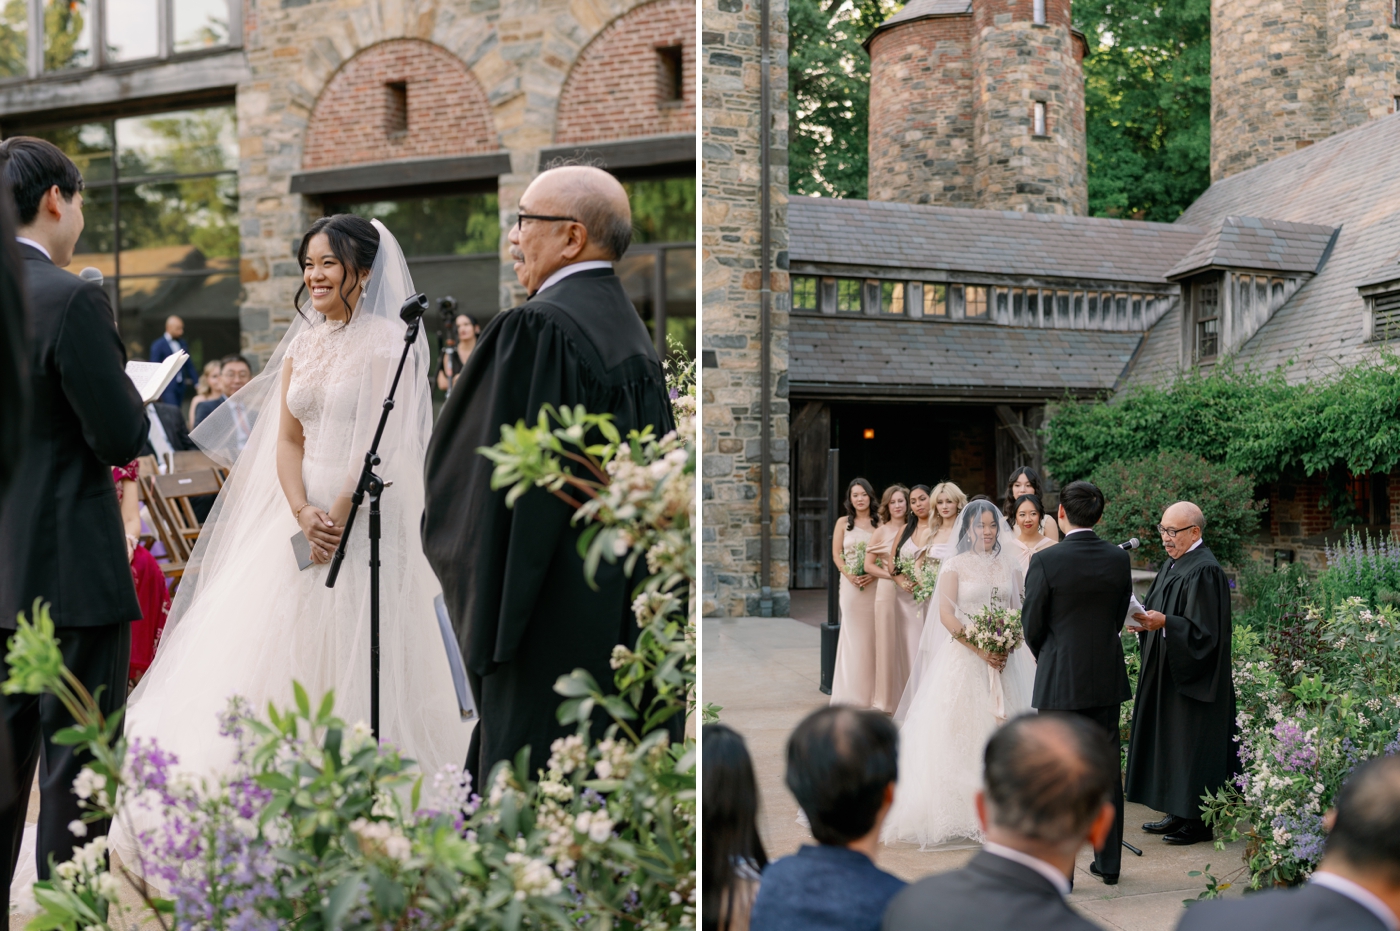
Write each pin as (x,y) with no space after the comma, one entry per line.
(1138,491)
(829,94)
(663,210)
(14,39)
(67,35)
(1361,567)
(1256,424)
(1147,105)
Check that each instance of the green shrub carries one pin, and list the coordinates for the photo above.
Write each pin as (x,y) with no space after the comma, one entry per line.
(1137,492)
(1361,567)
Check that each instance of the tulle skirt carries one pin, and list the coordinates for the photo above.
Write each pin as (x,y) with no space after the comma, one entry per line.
(941,742)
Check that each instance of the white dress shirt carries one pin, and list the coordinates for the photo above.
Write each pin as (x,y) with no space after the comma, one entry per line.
(1057,879)
(29,242)
(1358,894)
(568,270)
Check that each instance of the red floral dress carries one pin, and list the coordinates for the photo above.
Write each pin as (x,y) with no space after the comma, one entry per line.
(151,592)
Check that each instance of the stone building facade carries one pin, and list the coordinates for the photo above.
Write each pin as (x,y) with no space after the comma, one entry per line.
(979,103)
(731,287)
(1288,73)
(394,104)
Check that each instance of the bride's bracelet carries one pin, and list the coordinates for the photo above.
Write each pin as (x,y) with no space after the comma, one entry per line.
(296,515)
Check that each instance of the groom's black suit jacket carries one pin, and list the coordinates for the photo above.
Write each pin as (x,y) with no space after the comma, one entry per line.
(1076,599)
(62,535)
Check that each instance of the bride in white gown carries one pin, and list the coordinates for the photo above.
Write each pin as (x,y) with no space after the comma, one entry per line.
(956,697)
(246,620)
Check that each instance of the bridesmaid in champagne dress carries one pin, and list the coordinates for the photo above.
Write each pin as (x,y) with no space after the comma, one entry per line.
(948,502)
(854,680)
(1026,481)
(895,608)
(1028,517)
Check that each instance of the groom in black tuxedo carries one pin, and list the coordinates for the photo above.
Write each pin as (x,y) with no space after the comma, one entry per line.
(512,578)
(1075,605)
(61,531)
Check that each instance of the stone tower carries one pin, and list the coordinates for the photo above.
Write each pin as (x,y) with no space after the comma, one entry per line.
(1286,73)
(979,103)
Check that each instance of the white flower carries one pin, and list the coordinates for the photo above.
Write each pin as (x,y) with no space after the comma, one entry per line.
(87,783)
(77,829)
(398,847)
(108,887)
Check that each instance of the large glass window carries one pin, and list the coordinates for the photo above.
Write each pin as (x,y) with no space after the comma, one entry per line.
(658,270)
(161,222)
(132,32)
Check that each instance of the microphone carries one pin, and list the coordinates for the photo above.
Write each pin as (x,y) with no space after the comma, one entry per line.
(414,308)
(1132,544)
(91,274)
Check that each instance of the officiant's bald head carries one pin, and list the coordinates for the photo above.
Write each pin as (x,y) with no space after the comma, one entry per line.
(571,214)
(1182,525)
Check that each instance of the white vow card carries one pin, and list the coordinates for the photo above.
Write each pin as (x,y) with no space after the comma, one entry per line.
(1130,623)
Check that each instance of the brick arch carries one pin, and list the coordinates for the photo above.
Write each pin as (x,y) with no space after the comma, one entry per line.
(613,90)
(355,118)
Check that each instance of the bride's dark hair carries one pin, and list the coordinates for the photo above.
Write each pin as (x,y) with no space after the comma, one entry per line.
(973,509)
(354,242)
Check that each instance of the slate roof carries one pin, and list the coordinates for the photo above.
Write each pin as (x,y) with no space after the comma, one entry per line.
(866,354)
(880,233)
(922,9)
(1258,244)
(1350,180)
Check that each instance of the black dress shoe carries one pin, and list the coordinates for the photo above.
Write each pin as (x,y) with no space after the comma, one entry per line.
(1191,832)
(1168,824)
(1109,879)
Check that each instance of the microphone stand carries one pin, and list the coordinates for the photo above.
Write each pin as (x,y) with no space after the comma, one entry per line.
(371,484)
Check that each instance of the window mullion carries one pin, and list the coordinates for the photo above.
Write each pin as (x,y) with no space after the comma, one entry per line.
(166,17)
(99,34)
(36,38)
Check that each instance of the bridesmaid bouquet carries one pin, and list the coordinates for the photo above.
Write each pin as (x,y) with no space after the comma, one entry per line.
(924,575)
(995,628)
(855,561)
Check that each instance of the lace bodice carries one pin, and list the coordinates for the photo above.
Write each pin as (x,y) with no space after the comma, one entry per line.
(982,578)
(331,372)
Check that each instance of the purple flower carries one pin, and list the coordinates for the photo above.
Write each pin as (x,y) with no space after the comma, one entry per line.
(1295,751)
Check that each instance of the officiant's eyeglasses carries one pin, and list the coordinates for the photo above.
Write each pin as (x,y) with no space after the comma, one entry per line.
(520,219)
(1171,532)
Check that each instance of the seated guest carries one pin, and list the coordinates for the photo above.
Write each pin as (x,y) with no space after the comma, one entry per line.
(206,390)
(734,854)
(841,766)
(1357,885)
(234,373)
(167,434)
(1048,789)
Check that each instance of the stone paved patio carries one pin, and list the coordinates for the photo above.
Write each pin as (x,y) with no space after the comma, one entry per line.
(765,672)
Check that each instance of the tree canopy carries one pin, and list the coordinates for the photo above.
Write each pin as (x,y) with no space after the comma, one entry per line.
(1147,105)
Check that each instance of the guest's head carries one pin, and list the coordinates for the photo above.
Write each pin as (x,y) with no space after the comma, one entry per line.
(842,763)
(571,214)
(174,327)
(730,827)
(336,256)
(1048,786)
(1182,525)
(1028,512)
(979,527)
(48,192)
(948,502)
(209,378)
(1023,481)
(894,504)
(860,499)
(1363,839)
(234,374)
(467,330)
(1081,505)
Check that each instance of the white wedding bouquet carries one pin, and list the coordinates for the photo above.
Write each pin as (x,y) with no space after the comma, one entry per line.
(995,628)
(923,575)
(855,561)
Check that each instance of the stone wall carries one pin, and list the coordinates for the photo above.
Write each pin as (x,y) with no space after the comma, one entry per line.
(480,75)
(730,285)
(1286,73)
(921,113)
(1016,64)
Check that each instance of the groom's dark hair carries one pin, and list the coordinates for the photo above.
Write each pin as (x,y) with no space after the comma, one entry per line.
(1083,503)
(839,762)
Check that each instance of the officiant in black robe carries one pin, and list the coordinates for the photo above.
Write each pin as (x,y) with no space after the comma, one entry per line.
(1181,745)
(513,578)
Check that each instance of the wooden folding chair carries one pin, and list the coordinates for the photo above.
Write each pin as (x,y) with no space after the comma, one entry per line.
(175,492)
(177,549)
(193,460)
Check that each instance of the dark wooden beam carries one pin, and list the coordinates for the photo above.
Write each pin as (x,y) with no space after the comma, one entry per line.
(1024,438)
(641,152)
(402,174)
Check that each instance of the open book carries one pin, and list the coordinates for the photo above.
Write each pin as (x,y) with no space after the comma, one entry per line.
(152,378)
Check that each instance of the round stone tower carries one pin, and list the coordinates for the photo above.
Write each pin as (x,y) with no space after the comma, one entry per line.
(979,103)
(1028,108)
(1287,73)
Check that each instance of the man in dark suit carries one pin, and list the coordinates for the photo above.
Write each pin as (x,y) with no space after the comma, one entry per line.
(1048,788)
(1357,885)
(512,578)
(169,343)
(841,767)
(63,539)
(1077,596)
(234,373)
